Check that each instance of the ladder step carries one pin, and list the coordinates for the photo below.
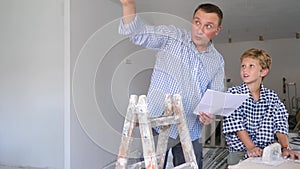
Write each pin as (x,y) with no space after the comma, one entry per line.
(186,165)
(137,165)
(164,121)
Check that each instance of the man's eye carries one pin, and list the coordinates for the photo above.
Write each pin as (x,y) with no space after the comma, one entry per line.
(209,26)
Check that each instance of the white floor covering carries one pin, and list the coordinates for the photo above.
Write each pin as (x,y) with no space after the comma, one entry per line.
(2,166)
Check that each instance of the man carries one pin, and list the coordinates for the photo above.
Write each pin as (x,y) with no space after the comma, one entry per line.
(187,64)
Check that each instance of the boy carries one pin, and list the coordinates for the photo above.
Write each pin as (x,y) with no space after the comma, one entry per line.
(254,125)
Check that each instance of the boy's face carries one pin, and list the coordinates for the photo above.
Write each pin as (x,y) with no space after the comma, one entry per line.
(204,27)
(251,71)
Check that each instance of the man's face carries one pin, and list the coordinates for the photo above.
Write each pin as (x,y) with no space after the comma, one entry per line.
(204,27)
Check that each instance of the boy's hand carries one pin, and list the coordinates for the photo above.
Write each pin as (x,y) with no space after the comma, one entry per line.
(206,118)
(255,152)
(286,153)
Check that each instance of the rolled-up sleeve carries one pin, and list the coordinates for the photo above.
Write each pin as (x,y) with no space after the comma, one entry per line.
(128,29)
(233,123)
(281,118)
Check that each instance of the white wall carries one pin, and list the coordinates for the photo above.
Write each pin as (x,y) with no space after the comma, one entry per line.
(32,81)
(90,139)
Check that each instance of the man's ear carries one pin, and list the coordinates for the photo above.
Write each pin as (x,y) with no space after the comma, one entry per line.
(218,30)
(264,72)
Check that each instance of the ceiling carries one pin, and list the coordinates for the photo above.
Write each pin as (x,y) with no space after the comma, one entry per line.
(244,20)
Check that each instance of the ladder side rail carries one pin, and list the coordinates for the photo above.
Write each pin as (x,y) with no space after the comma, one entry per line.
(127,133)
(183,132)
(163,137)
(146,134)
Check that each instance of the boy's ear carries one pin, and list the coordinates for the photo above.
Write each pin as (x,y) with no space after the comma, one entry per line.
(264,72)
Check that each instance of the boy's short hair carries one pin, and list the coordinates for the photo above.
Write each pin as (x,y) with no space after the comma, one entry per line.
(265,60)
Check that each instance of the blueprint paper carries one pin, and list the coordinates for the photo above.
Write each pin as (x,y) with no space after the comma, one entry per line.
(220,103)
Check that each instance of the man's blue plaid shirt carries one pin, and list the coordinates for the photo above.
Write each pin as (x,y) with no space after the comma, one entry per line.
(179,69)
(262,119)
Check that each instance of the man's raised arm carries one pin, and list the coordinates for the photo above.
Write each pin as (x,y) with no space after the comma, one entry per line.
(129,10)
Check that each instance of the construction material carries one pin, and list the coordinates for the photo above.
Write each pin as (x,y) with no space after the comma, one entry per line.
(212,136)
(216,158)
(271,152)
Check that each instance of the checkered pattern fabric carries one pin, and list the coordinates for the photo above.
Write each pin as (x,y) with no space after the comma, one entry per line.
(262,119)
(179,69)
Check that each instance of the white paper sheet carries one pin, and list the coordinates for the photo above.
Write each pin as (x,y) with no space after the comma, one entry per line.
(220,103)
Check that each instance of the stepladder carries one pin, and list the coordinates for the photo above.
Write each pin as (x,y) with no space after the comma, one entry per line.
(154,153)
